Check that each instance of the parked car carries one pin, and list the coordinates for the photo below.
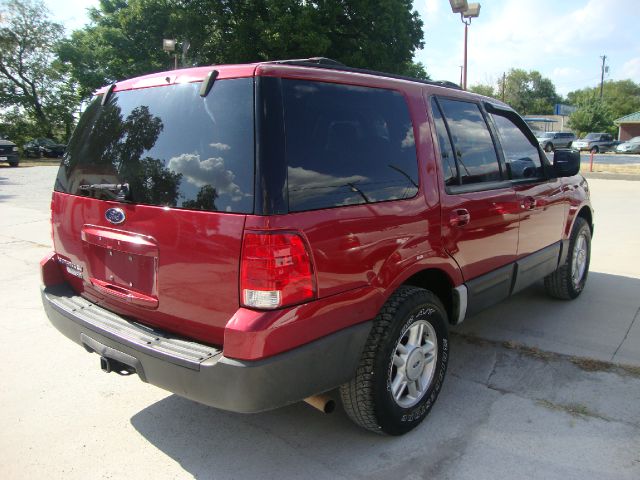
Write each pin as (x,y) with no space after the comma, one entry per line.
(9,153)
(337,255)
(596,143)
(630,146)
(43,147)
(549,141)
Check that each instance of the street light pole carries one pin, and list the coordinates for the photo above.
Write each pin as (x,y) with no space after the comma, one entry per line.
(466,34)
(467,11)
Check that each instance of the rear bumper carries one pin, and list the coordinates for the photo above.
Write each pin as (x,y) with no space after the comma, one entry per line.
(201,372)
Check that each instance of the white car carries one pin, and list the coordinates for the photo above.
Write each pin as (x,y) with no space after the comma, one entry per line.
(630,146)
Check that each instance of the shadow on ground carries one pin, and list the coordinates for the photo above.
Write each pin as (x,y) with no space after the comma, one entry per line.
(602,323)
(531,413)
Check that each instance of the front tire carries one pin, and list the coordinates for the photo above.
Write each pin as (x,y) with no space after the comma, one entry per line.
(595,150)
(403,364)
(548,148)
(568,281)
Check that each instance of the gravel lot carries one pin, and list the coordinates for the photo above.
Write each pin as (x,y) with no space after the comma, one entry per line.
(516,403)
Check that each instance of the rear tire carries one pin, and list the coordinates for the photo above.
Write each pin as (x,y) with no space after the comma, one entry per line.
(568,281)
(403,364)
(13,164)
(595,150)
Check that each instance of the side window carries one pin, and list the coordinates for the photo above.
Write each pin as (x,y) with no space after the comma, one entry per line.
(347,145)
(521,156)
(447,159)
(474,149)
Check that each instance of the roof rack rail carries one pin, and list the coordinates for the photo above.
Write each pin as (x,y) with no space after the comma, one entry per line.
(327,63)
(314,60)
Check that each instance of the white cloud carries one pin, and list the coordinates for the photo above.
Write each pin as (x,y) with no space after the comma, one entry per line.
(206,172)
(631,69)
(220,146)
(562,40)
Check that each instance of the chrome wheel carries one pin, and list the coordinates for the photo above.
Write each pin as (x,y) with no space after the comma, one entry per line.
(414,361)
(579,260)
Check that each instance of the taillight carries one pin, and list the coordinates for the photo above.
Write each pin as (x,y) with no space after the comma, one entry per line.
(275,270)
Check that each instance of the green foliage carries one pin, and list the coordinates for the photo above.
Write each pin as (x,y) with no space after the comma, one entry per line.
(621,97)
(125,37)
(486,90)
(415,70)
(593,115)
(527,92)
(34,88)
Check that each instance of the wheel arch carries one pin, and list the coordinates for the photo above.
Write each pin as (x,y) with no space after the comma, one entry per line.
(586,213)
(439,283)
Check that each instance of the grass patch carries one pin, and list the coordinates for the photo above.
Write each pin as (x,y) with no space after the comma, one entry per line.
(574,409)
(45,162)
(586,364)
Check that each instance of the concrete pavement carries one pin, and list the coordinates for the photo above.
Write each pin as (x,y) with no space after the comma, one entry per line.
(505,410)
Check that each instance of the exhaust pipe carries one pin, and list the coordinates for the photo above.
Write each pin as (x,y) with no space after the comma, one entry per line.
(324,403)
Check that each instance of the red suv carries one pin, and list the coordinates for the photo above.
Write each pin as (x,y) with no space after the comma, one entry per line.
(248,236)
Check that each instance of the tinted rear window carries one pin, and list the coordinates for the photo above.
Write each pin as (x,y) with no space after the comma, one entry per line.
(347,145)
(173,147)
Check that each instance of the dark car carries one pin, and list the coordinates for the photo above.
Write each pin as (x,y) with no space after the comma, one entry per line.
(249,236)
(9,153)
(43,147)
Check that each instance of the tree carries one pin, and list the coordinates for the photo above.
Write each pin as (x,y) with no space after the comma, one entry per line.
(592,115)
(32,83)
(124,38)
(621,97)
(486,90)
(527,92)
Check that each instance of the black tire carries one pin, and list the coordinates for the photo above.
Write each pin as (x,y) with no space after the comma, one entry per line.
(595,150)
(560,284)
(548,147)
(367,398)
(13,164)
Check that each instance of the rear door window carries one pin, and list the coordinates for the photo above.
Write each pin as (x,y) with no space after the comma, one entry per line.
(447,158)
(171,146)
(474,149)
(347,145)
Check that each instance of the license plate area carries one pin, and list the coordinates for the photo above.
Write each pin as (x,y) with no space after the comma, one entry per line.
(122,265)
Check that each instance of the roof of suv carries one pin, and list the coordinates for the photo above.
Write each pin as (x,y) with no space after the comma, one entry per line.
(326,68)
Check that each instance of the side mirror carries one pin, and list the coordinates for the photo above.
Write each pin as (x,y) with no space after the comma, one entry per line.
(566,162)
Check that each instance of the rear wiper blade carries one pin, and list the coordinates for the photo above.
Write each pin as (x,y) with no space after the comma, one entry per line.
(121,190)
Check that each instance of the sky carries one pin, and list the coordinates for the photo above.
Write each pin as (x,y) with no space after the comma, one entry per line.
(562,39)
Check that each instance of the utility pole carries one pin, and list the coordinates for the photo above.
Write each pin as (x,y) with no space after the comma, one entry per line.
(604,58)
(504,81)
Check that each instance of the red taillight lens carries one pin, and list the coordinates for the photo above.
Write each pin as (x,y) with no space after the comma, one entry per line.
(275,270)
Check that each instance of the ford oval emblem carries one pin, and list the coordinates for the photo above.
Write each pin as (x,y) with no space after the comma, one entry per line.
(115,215)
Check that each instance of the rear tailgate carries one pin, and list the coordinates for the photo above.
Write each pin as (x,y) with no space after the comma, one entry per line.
(151,201)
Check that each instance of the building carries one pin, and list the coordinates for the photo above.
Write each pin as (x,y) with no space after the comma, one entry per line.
(547,123)
(628,126)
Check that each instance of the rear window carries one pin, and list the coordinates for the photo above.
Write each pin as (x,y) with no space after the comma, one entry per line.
(347,145)
(171,146)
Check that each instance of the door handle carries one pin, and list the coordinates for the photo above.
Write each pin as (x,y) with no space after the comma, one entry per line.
(528,203)
(459,217)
